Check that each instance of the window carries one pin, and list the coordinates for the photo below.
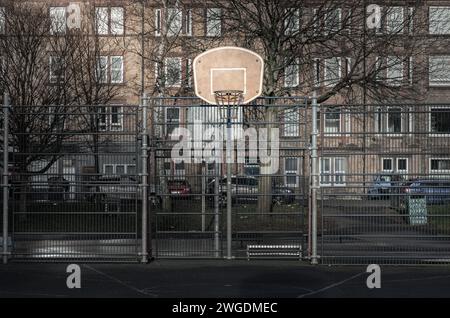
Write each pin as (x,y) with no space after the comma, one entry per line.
(109,20)
(291,122)
(387,164)
(317,70)
(173,71)
(187,26)
(402,165)
(394,20)
(292,23)
(291,75)
(2,20)
(291,171)
(438,165)
(213,22)
(119,169)
(333,20)
(174,21)
(393,120)
(158,23)
(116,69)
(439,20)
(58,20)
(439,72)
(101,20)
(390,165)
(332,123)
(102,69)
(188,71)
(333,171)
(56,69)
(339,171)
(394,73)
(332,71)
(172,119)
(110,118)
(440,120)
(116,117)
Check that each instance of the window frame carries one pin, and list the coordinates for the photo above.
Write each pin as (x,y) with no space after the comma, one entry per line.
(55,28)
(439,171)
(288,173)
(332,82)
(218,24)
(433,133)
(180,80)
(111,69)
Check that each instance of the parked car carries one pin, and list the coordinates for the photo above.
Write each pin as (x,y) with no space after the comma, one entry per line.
(435,191)
(179,188)
(383,185)
(246,188)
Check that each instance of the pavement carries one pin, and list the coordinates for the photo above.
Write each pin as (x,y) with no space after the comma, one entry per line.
(221,279)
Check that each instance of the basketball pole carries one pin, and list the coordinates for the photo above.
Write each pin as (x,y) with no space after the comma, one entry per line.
(229,219)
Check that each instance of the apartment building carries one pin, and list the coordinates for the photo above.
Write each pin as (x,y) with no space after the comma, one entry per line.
(151,47)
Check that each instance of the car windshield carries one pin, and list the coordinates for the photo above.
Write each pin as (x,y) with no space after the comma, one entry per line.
(385,178)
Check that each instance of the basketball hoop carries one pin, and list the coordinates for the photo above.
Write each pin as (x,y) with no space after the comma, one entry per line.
(229,102)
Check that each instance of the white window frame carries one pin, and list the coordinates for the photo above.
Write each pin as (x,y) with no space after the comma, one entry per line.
(382,114)
(158,22)
(317,70)
(332,82)
(58,27)
(341,173)
(211,16)
(332,172)
(440,171)
(174,20)
(102,20)
(188,72)
(397,61)
(392,164)
(291,128)
(116,126)
(178,83)
(440,60)
(117,27)
(402,171)
(432,133)
(187,19)
(107,124)
(438,29)
(114,168)
(392,18)
(292,71)
(344,123)
(102,79)
(166,119)
(291,173)
(121,80)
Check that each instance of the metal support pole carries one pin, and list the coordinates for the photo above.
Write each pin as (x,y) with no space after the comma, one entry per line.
(144,185)
(6,109)
(203,197)
(229,220)
(314,179)
(216,209)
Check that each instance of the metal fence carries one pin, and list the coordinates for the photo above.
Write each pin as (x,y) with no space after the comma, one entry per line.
(268,211)
(344,184)
(74,183)
(384,184)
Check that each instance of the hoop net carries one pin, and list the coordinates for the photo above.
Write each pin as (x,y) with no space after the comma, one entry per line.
(229,99)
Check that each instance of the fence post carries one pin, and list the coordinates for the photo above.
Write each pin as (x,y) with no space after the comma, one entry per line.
(314,182)
(6,109)
(144,185)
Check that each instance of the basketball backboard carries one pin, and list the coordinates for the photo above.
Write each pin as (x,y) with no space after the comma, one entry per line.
(228,68)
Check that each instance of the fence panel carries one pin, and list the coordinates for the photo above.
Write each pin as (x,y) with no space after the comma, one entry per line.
(385,184)
(189,206)
(75,182)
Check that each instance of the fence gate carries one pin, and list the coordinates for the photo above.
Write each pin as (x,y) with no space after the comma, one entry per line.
(189,194)
(75,183)
(384,184)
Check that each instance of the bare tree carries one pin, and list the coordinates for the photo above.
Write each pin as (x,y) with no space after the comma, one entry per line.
(330,48)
